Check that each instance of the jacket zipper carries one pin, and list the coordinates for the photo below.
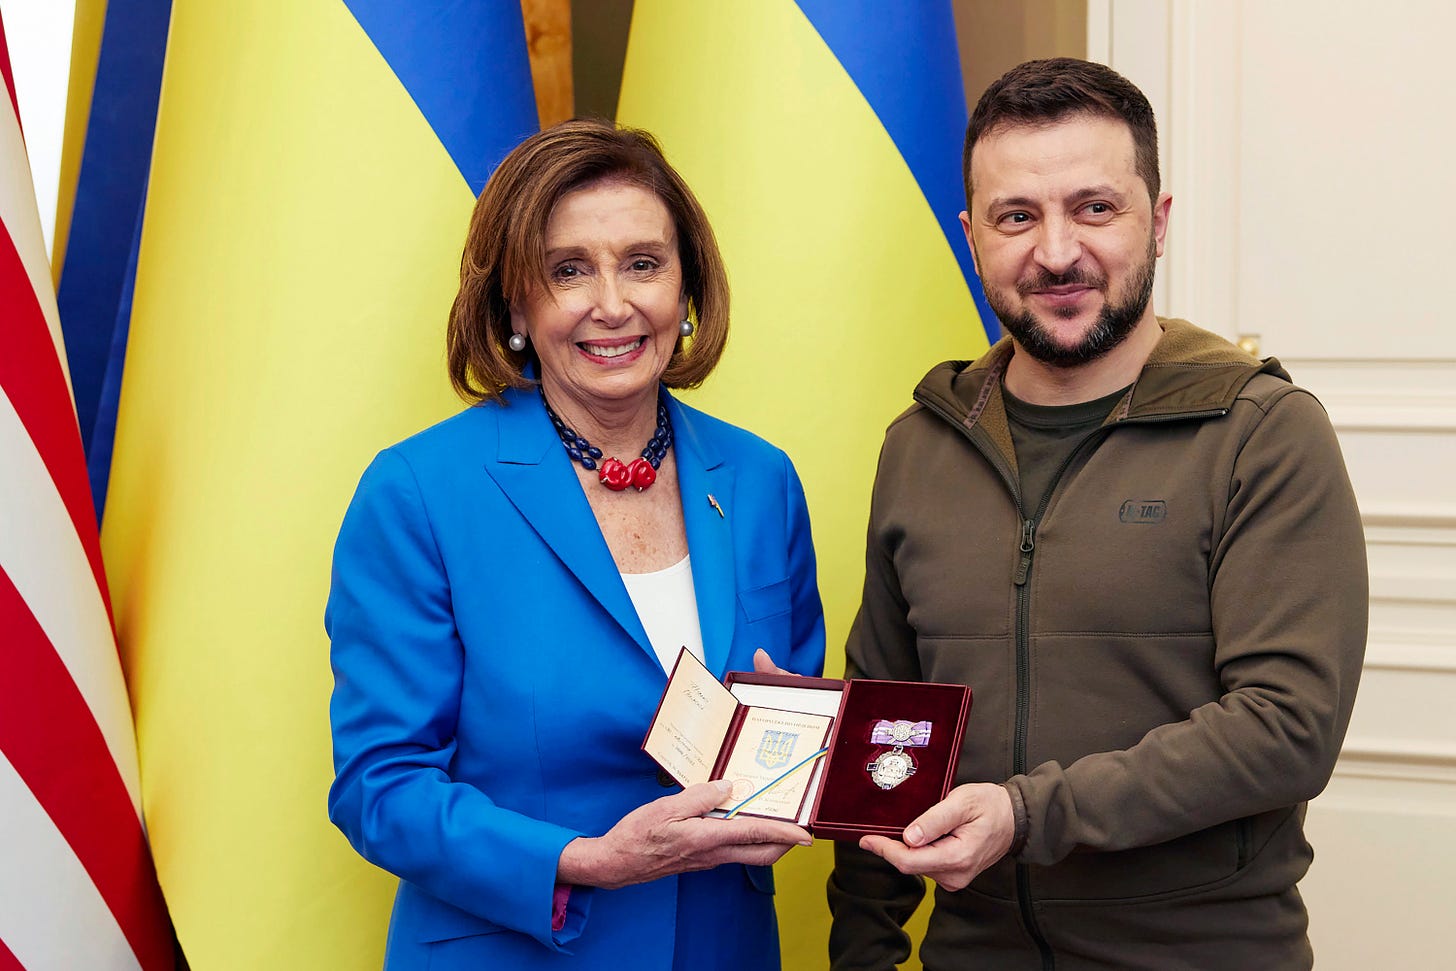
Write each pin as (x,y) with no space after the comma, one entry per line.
(1027,549)
(1023,716)
(1023,678)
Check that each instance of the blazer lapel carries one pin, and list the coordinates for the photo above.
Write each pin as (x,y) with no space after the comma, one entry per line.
(706,483)
(535,474)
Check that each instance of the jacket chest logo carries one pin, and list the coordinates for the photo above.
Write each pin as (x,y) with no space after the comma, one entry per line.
(1143,512)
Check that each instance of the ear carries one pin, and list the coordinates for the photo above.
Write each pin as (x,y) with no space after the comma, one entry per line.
(518,322)
(1160,218)
(966,228)
(682,306)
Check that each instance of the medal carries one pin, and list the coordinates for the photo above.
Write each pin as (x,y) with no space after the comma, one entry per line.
(891,768)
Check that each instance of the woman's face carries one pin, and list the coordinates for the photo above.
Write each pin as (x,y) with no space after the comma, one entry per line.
(605,328)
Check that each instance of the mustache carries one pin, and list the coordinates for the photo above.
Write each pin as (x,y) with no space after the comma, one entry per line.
(1042,279)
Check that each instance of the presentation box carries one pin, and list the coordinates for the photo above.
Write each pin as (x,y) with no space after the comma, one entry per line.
(842,758)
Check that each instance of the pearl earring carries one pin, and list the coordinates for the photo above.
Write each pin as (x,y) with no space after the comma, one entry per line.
(686,328)
(517,343)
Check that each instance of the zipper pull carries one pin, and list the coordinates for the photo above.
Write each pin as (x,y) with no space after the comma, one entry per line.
(1028,544)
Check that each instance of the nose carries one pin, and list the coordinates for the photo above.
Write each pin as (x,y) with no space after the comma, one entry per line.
(611,306)
(1058,246)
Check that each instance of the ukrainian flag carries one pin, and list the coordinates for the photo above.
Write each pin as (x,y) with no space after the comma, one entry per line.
(312,177)
(823,137)
(111,115)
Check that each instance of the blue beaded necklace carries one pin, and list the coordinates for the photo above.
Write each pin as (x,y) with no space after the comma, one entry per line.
(613,473)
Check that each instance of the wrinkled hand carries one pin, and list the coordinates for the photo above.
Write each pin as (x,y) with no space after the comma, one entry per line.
(670,835)
(954,840)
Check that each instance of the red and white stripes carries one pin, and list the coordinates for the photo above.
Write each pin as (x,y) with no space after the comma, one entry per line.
(77,887)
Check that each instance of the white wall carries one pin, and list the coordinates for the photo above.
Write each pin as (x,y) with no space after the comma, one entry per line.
(38,33)
(1307,144)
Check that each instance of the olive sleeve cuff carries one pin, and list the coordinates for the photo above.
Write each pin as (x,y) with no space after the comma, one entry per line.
(1020,820)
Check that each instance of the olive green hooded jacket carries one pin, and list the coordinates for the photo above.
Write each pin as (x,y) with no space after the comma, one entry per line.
(1163,654)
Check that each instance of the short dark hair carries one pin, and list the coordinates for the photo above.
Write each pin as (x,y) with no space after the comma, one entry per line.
(505,251)
(1047,91)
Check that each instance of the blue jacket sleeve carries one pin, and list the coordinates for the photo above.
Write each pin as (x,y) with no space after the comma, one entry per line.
(398,674)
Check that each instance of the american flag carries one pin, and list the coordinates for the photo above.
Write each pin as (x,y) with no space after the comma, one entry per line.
(77,886)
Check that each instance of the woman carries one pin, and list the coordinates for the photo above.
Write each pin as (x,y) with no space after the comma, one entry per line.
(508,595)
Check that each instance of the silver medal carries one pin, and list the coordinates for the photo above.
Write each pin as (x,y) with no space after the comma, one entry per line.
(891,768)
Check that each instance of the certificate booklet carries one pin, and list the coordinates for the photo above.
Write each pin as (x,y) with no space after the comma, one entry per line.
(771,755)
(769,762)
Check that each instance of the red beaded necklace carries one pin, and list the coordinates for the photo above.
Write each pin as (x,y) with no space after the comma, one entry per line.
(613,473)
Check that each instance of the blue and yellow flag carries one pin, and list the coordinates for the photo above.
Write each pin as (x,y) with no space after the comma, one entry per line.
(116,76)
(312,178)
(824,141)
(823,137)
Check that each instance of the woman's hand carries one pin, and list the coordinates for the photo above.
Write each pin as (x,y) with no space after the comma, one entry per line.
(763,664)
(670,835)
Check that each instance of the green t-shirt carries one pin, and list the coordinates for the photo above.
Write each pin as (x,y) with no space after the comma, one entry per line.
(1045,435)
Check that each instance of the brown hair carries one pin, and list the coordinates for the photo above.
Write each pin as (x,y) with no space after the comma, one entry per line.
(1048,91)
(505,252)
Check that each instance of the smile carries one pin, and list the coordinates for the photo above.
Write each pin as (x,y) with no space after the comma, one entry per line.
(612,350)
(1062,296)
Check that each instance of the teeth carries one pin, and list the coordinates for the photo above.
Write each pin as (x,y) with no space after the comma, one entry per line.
(617,351)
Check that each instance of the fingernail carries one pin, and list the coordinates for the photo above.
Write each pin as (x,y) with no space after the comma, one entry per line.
(914,835)
(808,842)
(723,786)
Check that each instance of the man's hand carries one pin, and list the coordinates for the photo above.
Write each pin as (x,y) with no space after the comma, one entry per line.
(955,839)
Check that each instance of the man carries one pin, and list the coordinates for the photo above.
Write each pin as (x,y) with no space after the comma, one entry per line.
(1140,549)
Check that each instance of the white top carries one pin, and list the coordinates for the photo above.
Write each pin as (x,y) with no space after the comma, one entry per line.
(668,608)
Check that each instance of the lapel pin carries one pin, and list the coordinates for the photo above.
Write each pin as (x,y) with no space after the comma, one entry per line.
(714,503)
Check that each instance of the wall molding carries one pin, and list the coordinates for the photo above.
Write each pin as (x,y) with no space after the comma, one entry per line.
(1406,656)
(1414,760)
(1412,588)
(1393,415)
(1382,395)
(1427,524)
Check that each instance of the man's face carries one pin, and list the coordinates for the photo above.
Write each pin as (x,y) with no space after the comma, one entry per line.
(1064,236)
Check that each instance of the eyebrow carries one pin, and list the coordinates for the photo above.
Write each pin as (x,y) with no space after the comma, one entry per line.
(642,246)
(1095,191)
(1101,190)
(1010,202)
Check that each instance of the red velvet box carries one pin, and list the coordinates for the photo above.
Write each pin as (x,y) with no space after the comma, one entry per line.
(846,801)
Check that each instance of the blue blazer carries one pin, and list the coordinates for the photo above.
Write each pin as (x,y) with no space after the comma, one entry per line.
(493,684)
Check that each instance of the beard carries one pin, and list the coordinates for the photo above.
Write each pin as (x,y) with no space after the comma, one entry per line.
(1118,318)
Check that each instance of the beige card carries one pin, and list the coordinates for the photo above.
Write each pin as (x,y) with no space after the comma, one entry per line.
(692,719)
(770,743)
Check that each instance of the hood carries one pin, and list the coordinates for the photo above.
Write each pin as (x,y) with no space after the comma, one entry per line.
(1189,372)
